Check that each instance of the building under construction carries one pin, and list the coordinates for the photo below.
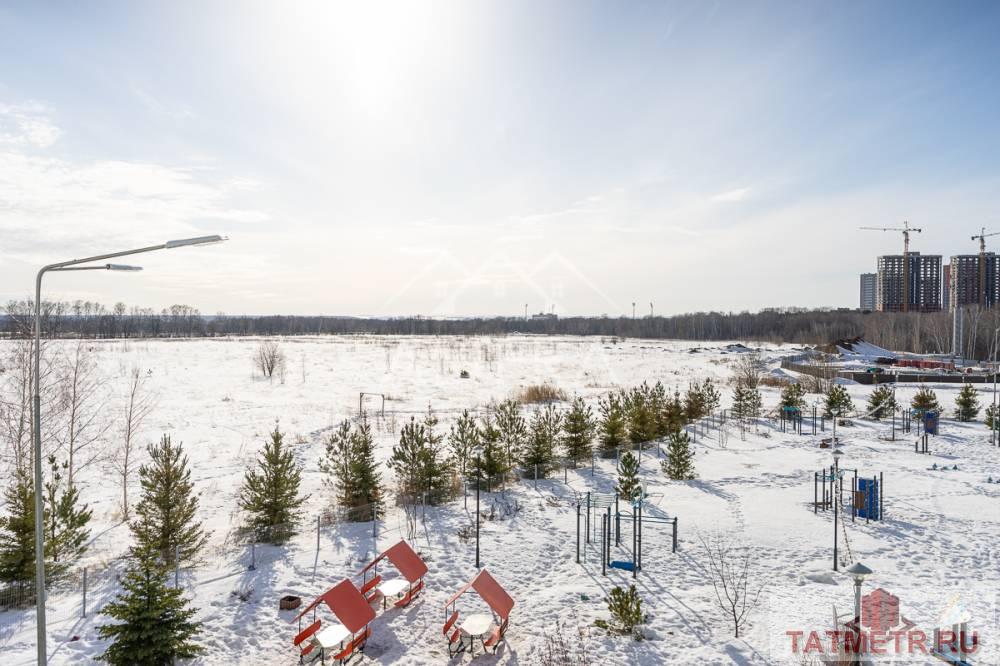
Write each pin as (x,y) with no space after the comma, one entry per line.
(965,288)
(923,292)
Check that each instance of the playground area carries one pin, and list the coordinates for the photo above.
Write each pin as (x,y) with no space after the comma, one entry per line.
(926,524)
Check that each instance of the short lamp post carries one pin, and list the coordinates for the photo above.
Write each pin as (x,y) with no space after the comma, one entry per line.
(837,453)
(858,572)
(72,265)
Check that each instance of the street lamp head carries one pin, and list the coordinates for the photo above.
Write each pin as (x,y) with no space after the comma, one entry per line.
(859,571)
(200,240)
(837,454)
(122,267)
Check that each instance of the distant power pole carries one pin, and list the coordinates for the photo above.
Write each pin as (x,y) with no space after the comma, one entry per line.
(526,312)
(651,309)
(633,309)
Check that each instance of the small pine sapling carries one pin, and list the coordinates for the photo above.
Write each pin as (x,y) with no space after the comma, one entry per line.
(967,403)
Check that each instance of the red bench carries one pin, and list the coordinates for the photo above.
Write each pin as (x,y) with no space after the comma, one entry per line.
(356,646)
(454,637)
(494,639)
(370,587)
(408,597)
(305,635)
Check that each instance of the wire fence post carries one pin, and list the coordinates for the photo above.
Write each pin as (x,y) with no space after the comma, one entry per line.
(674,547)
(578,532)
(84,592)
(536,476)
(253,555)
(604,527)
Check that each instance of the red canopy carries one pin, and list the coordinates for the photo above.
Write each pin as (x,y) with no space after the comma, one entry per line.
(405,559)
(347,603)
(489,589)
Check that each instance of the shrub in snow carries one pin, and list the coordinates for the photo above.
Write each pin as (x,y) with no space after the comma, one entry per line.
(625,607)
(539,393)
(564,648)
(967,403)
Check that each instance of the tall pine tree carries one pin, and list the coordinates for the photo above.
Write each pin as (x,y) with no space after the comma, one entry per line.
(967,403)
(540,451)
(612,429)
(793,395)
(166,516)
(488,462)
(578,431)
(349,460)
(838,402)
(270,491)
(407,461)
(436,470)
(925,400)
(154,624)
(513,431)
(881,403)
(463,439)
(66,520)
(628,476)
(679,463)
(17,530)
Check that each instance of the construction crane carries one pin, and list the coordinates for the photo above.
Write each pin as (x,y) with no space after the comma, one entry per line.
(982,263)
(906,229)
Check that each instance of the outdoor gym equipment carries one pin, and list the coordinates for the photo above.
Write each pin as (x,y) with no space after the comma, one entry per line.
(602,504)
(867,494)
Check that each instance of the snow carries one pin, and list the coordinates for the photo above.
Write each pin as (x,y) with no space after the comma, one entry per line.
(936,547)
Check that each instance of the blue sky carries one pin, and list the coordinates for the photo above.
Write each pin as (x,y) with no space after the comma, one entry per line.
(458,158)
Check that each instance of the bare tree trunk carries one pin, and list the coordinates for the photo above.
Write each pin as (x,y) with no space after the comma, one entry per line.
(138,405)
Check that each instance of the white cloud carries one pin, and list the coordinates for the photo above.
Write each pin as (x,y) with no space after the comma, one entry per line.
(732,195)
(25,125)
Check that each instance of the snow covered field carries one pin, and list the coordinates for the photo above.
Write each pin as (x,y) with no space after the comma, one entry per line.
(935,547)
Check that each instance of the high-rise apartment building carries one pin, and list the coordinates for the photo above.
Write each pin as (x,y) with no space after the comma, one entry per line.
(919,283)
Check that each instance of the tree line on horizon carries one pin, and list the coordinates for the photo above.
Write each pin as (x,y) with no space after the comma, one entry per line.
(911,332)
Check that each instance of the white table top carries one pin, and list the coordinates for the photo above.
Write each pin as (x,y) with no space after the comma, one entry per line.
(332,636)
(477,624)
(393,586)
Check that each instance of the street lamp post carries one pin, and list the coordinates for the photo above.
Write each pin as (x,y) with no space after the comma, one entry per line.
(479,472)
(71,265)
(837,453)
(858,571)
(993,430)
